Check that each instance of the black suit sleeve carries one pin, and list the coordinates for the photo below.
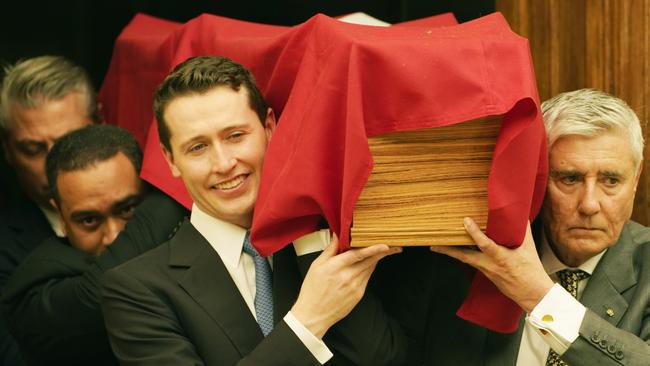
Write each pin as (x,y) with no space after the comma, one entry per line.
(145,330)
(366,336)
(52,301)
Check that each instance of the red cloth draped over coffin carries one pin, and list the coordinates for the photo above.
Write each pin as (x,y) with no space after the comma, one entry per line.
(333,85)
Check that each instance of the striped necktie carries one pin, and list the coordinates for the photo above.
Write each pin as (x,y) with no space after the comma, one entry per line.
(569,280)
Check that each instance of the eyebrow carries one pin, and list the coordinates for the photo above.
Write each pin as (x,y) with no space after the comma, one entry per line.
(29,142)
(185,144)
(564,173)
(131,200)
(610,174)
(80,215)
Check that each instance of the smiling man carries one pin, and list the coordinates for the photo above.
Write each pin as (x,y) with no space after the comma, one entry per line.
(587,294)
(206,297)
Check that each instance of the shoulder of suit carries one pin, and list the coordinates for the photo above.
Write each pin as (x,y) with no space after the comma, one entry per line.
(639,233)
(155,257)
(56,249)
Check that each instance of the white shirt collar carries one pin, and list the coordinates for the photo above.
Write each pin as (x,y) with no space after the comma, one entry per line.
(226,238)
(552,264)
(54,220)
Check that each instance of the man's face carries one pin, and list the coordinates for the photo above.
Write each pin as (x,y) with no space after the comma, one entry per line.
(218,146)
(589,195)
(31,135)
(96,202)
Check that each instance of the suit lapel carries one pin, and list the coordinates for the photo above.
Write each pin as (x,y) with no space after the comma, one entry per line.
(603,292)
(205,278)
(501,349)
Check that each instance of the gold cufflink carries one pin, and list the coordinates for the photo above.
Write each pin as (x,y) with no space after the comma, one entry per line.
(610,312)
(547,318)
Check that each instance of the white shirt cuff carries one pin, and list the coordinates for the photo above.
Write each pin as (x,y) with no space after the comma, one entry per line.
(313,344)
(557,318)
(311,243)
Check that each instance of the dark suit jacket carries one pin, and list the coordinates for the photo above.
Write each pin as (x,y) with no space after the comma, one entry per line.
(22,228)
(178,305)
(620,282)
(51,302)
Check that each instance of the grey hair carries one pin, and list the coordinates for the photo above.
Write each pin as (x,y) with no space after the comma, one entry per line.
(590,112)
(28,83)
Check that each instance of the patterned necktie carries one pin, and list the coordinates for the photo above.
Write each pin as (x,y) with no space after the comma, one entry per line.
(569,280)
(263,288)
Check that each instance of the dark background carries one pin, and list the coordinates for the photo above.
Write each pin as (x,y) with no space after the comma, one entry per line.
(84,30)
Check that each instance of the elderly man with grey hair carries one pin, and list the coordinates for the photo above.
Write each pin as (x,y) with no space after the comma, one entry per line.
(41,99)
(586,285)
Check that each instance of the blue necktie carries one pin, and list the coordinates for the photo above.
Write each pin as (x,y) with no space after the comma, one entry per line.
(263,287)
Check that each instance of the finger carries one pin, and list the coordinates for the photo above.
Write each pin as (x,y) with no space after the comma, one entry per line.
(363,276)
(469,256)
(528,239)
(353,256)
(485,244)
(370,262)
(331,249)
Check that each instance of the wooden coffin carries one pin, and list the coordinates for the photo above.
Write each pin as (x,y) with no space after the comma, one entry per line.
(423,184)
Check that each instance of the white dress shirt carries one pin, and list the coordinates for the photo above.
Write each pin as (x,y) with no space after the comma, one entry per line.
(228,240)
(555,322)
(54,219)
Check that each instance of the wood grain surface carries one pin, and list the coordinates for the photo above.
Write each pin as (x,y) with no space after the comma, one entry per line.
(423,183)
(602,44)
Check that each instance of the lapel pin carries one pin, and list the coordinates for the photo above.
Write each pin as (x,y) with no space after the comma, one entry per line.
(610,312)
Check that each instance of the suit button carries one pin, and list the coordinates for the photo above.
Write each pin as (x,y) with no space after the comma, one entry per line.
(619,355)
(612,349)
(595,337)
(603,343)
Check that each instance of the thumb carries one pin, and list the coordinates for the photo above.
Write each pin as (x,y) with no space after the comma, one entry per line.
(333,247)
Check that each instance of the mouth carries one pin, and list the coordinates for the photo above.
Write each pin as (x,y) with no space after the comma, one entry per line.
(231,184)
(585,228)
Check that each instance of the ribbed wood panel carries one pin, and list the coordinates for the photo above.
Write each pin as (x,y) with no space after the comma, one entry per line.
(603,44)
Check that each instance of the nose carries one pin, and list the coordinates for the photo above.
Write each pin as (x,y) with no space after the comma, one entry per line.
(223,159)
(112,228)
(589,203)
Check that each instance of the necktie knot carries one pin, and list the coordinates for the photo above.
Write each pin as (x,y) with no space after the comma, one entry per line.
(248,247)
(569,280)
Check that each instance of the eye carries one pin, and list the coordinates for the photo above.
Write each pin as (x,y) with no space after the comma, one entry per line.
(235,136)
(32,149)
(612,181)
(127,212)
(89,222)
(569,179)
(197,147)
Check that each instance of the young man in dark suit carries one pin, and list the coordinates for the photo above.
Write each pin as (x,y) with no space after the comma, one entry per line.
(586,286)
(51,302)
(204,297)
